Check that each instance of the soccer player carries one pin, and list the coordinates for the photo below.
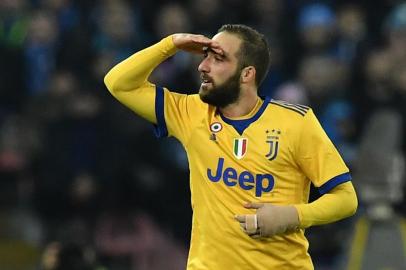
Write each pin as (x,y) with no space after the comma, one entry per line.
(251,160)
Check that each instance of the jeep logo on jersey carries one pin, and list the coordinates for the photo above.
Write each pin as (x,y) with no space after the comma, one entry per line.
(240,147)
(246,180)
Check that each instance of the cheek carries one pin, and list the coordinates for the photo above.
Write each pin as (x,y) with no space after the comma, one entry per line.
(220,76)
(221,72)
(219,80)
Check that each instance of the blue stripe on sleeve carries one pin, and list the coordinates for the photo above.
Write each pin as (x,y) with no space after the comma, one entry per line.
(160,129)
(333,182)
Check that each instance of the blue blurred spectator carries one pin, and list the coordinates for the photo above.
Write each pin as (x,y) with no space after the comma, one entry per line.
(117,29)
(40,51)
(207,16)
(395,28)
(317,28)
(338,122)
(65,11)
(271,18)
(352,32)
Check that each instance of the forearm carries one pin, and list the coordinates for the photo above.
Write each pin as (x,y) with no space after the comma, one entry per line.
(339,203)
(271,219)
(134,71)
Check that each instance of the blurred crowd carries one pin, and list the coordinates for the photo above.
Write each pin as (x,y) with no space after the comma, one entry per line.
(83,182)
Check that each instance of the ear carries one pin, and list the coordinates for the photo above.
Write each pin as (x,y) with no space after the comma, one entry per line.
(248,74)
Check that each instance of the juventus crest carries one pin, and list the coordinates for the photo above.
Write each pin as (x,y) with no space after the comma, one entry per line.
(272,139)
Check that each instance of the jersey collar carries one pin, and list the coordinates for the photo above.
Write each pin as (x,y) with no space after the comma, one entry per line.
(241,124)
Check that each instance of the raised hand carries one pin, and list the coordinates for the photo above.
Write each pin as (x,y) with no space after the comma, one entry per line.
(195,43)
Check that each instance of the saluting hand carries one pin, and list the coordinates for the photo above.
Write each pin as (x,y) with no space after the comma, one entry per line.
(195,43)
(269,220)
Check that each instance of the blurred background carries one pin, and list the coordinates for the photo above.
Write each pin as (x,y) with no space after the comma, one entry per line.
(85,185)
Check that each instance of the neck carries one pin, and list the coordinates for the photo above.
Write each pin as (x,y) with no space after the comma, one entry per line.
(243,106)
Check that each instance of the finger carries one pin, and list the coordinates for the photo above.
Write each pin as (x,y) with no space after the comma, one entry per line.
(242,226)
(215,44)
(218,50)
(240,218)
(202,40)
(252,205)
(251,224)
(207,42)
(256,236)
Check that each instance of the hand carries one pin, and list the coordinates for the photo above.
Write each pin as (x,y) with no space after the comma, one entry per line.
(269,220)
(195,43)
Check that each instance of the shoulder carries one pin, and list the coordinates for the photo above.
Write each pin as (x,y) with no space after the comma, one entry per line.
(289,109)
(196,104)
(190,104)
(291,116)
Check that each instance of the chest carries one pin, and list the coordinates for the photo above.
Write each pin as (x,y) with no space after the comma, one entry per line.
(263,146)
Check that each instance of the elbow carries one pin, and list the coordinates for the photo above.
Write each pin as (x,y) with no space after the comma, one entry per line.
(354,207)
(113,83)
(108,81)
(353,203)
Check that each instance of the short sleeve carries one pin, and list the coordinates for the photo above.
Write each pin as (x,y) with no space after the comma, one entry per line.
(317,156)
(176,114)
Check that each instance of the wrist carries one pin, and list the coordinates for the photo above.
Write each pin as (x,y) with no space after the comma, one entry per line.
(169,47)
(294,218)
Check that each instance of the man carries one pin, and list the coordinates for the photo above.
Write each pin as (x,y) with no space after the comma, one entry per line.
(251,160)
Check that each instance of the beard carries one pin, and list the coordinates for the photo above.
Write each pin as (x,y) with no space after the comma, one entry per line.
(224,94)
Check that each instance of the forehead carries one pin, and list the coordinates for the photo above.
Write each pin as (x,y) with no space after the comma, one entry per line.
(230,43)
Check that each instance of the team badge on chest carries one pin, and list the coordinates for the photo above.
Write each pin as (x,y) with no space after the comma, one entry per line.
(240,147)
(273,141)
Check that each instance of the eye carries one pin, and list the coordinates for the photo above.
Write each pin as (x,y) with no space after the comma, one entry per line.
(219,58)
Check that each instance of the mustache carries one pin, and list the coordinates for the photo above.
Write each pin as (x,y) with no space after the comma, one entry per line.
(205,77)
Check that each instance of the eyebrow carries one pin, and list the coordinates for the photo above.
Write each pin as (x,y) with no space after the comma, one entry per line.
(208,49)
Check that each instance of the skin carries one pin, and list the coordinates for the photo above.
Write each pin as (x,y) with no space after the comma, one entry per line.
(220,64)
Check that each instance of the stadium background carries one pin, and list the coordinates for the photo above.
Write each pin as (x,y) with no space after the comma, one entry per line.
(83,180)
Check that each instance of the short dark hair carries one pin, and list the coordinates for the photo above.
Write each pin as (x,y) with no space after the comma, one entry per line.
(254,49)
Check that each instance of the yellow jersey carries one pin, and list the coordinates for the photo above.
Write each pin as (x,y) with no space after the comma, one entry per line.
(270,155)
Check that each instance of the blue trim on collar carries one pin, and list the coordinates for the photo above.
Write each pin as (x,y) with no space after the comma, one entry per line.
(241,125)
(160,129)
(333,182)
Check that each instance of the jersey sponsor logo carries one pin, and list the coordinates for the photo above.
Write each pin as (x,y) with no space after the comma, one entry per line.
(260,183)
(273,140)
(240,147)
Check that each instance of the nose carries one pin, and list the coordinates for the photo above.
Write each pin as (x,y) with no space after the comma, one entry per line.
(204,66)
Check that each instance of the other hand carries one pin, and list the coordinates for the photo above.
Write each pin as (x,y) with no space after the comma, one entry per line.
(269,220)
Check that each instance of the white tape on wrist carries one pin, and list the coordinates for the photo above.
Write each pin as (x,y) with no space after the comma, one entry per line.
(251,224)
